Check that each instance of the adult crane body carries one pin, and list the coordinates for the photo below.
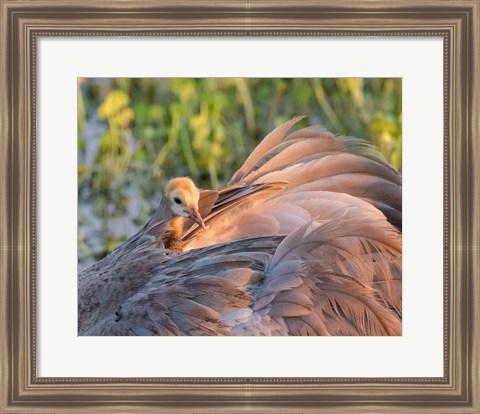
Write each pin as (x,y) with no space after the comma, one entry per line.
(305,240)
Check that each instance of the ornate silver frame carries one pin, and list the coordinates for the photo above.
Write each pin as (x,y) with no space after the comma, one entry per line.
(24,22)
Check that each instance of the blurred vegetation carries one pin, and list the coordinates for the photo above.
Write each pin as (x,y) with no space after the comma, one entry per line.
(134,134)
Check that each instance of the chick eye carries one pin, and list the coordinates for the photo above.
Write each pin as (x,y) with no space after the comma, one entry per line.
(177,200)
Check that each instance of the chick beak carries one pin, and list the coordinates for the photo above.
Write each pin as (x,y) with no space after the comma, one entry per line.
(196,217)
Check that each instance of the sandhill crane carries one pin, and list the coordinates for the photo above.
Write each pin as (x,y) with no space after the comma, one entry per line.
(305,240)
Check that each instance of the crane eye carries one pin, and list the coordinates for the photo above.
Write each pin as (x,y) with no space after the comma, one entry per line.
(177,200)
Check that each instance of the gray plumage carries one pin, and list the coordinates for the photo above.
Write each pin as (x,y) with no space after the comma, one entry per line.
(305,240)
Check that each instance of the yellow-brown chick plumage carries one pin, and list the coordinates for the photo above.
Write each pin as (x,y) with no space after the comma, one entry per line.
(183,196)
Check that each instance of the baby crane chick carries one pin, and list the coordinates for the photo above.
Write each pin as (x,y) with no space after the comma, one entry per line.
(183,196)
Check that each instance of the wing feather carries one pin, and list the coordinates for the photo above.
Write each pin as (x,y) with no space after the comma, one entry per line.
(270,141)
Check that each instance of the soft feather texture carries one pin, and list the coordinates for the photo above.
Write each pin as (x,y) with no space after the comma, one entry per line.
(304,241)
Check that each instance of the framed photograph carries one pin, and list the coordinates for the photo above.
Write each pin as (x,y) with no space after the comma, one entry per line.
(104,103)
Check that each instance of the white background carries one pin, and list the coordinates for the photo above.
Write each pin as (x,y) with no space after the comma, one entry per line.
(419,352)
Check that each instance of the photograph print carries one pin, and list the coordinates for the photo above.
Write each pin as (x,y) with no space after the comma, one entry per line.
(239,206)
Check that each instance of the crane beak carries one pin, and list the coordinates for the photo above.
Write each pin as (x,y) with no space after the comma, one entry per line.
(196,217)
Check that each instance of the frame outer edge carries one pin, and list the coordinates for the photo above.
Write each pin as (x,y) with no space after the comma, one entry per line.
(474,127)
(9,248)
(5,350)
(15,250)
(464,195)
